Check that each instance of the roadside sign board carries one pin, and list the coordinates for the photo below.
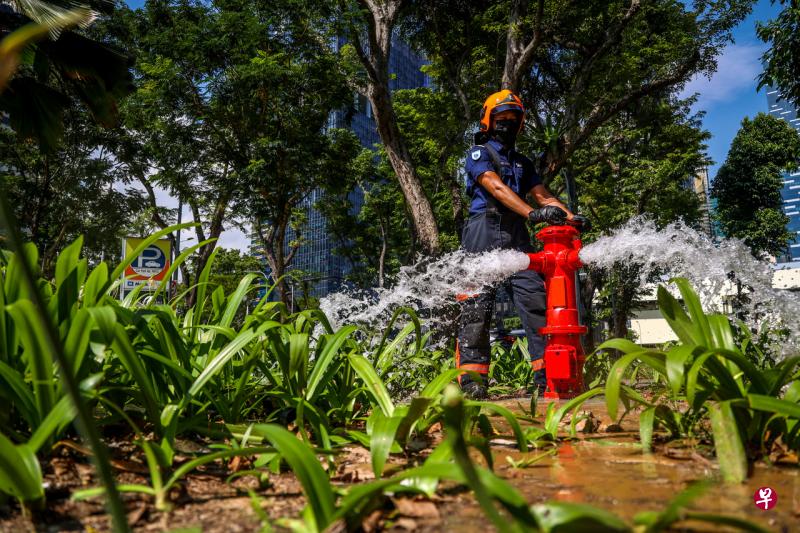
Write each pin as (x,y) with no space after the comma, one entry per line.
(149,268)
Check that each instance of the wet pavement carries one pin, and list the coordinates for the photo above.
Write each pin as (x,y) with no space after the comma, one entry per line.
(609,470)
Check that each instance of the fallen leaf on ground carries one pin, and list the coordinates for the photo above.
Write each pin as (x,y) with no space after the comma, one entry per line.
(417,508)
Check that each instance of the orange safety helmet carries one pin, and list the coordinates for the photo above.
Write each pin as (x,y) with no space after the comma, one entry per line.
(498,102)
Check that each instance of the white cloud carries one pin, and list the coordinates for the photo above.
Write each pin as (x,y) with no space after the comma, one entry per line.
(737,69)
(231,236)
(234,238)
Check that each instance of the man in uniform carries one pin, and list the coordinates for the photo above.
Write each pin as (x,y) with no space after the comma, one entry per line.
(498,181)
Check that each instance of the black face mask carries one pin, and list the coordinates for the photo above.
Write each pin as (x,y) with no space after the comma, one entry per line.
(505,131)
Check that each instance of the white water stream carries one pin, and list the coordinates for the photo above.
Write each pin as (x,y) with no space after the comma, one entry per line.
(676,250)
(427,285)
(713,269)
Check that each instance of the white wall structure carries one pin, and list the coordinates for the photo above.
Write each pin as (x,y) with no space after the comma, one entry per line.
(652,330)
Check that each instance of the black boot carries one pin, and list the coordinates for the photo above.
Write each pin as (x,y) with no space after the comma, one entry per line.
(539,384)
(474,390)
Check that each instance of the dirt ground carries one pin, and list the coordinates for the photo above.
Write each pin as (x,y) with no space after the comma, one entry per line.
(604,467)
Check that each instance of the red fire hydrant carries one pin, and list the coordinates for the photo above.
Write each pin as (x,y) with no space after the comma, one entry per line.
(563,353)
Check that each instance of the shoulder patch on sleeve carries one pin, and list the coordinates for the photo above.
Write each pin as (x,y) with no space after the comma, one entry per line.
(476,154)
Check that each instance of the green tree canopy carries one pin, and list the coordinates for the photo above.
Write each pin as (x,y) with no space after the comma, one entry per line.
(782,59)
(231,113)
(748,185)
(57,73)
(72,190)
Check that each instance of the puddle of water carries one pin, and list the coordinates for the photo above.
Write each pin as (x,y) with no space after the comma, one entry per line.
(612,473)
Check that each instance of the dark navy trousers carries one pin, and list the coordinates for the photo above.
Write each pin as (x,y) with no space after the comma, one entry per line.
(488,231)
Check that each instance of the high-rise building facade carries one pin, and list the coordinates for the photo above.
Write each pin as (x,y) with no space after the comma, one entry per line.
(322,270)
(701,189)
(791,180)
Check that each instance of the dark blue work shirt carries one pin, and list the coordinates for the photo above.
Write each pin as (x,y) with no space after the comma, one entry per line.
(518,174)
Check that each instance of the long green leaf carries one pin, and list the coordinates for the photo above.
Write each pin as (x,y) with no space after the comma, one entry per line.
(235,300)
(40,363)
(20,474)
(571,517)
(454,414)
(133,364)
(384,358)
(23,396)
(782,376)
(414,326)
(617,372)
(322,362)
(298,356)
(693,377)
(200,294)
(232,348)
(522,441)
(569,406)
(438,383)
(413,412)
(96,282)
(760,402)
(384,430)
(699,319)
(77,341)
(306,467)
(623,345)
(728,442)
(676,359)
(676,317)
(374,384)
(358,497)
(61,415)
(646,421)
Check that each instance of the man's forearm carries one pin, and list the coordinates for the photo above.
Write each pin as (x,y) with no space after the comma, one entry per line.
(504,194)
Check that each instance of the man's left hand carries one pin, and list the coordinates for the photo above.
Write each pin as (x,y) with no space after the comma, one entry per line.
(581,222)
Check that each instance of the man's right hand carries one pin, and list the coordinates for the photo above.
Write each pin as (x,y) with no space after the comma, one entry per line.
(549,213)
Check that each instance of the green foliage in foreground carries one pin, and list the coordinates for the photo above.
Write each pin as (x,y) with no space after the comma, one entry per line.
(245,381)
(749,409)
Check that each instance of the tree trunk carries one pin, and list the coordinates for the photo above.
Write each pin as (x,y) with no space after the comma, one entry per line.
(214,231)
(158,219)
(619,319)
(384,248)
(625,284)
(400,159)
(519,54)
(273,242)
(380,17)
(592,282)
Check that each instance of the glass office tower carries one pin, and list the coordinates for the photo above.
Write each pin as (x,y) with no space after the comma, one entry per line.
(791,180)
(323,270)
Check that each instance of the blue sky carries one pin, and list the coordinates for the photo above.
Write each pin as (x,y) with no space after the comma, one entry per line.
(730,94)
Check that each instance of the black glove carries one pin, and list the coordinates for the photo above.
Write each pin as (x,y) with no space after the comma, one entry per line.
(549,213)
(581,222)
